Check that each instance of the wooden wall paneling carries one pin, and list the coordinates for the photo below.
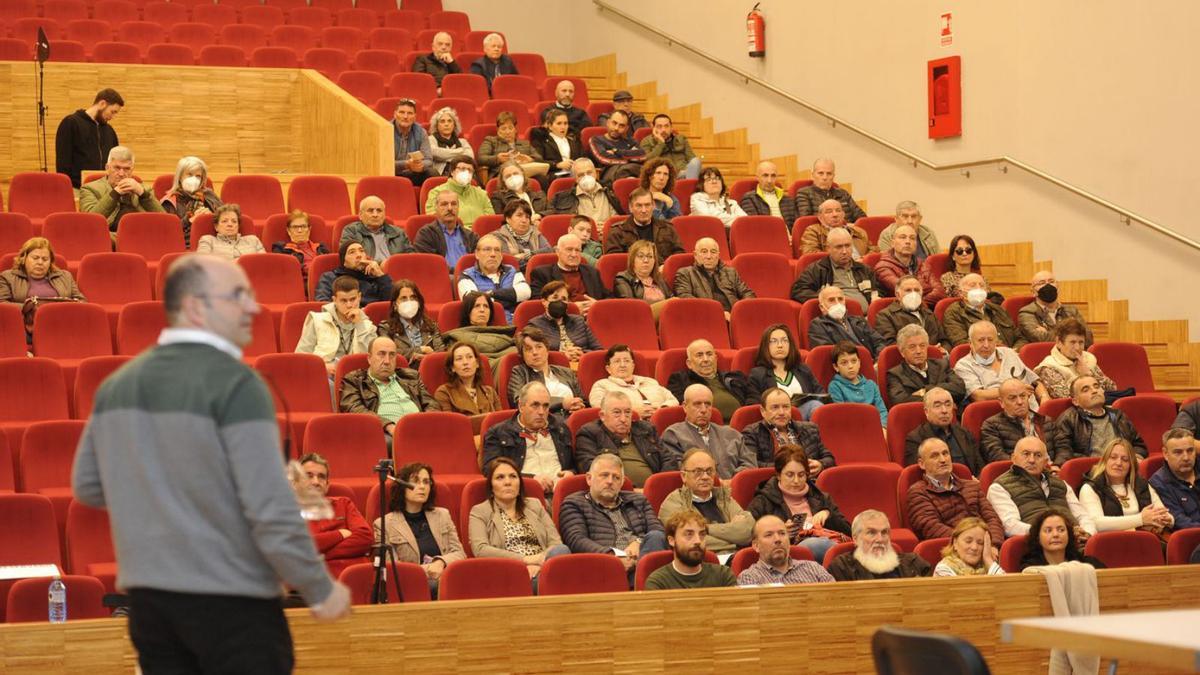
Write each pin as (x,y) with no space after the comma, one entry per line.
(341,135)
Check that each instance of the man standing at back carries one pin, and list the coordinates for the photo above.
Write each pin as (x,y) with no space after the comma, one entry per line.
(205,526)
(85,137)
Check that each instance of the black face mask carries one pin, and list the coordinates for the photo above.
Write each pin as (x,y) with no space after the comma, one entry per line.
(557,309)
(1048,294)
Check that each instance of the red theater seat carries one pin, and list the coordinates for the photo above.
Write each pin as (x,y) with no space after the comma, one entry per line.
(686,319)
(222,55)
(274,57)
(353,444)
(408,577)
(259,196)
(28,534)
(582,573)
(300,386)
(138,326)
(28,600)
(195,35)
(478,578)
(37,195)
(856,488)
(852,432)
(365,85)
(326,196)
(170,55)
(90,374)
(1130,548)
(328,62)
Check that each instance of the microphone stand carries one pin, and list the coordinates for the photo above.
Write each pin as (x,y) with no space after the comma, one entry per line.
(385,557)
(42,54)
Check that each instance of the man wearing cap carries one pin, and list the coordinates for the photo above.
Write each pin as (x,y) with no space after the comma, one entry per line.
(623,101)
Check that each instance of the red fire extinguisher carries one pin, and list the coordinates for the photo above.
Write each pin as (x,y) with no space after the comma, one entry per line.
(756,33)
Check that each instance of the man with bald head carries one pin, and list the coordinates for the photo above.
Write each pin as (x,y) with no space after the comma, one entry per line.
(710,278)
(697,430)
(831,216)
(383,390)
(1037,320)
(939,423)
(900,261)
(1030,488)
(769,198)
(840,269)
(1016,420)
(379,238)
(731,389)
(564,100)
(775,565)
(836,324)
(582,279)
(975,306)
(990,363)
(941,498)
(1088,426)
(810,198)
(440,62)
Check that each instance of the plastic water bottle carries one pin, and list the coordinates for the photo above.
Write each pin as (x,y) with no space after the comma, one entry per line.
(58,601)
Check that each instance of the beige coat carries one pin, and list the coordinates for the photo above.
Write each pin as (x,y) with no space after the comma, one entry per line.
(724,537)
(644,389)
(400,535)
(486,531)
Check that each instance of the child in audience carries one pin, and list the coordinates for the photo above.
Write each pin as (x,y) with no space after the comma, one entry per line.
(581,226)
(850,387)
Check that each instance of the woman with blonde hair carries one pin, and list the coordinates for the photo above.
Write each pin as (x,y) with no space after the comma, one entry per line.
(970,551)
(1118,498)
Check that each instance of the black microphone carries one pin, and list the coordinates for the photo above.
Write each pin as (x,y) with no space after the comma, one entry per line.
(43,46)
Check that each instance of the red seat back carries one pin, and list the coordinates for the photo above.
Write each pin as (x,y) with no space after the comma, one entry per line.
(138,326)
(399,197)
(28,599)
(408,577)
(745,483)
(259,196)
(1074,471)
(686,319)
(114,278)
(443,440)
(931,549)
(1181,546)
(150,235)
(624,321)
(852,432)
(275,277)
(766,234)
(752,316)
(75,235)
(975,414)
(477,578)
(1151,415)
(902,418)
(582,573)
(1127,548)
(769,275)
(71,330)
(90,374)
(991,472)
(299,379)
(856,488)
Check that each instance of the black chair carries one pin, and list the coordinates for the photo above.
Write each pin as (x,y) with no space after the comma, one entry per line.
(899,651)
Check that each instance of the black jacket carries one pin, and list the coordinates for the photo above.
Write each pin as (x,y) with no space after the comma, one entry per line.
(539,138)
(975,458)
(431,240)
(758,438)
(428,63)
(824,330)
(577,120)
(735,381)
(762,379)
(754,205)
(504,440)
(1073,434)
(820,274)
(543,275)
(373,289)
(82,143)
(894,317)
(1109,502)
(768,501)
(489,69)
(902,381)
(522,374)
(1000,433)
(593,439)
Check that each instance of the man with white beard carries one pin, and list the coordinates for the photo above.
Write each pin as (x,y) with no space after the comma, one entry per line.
(873,556)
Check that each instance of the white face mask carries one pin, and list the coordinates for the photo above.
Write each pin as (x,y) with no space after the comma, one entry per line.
(407,308)
(911,301)
(587,183)
(190,184)
(463,178)
(837,312)
(976,296)
(515,181)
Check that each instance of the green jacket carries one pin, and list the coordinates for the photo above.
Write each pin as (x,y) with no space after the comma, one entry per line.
(98,197)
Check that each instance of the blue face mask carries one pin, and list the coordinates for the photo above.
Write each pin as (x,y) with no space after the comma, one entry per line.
(984,362)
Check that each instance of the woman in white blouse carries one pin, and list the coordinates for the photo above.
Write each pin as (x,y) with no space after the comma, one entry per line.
(1118,498)
(228,242)
(645,393)
(709,199)
(555,143)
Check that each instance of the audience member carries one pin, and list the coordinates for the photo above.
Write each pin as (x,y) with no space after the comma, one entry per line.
(1188,417)
(910,310)
(379,238)
(339,328)
(917,373)
(617,433)
(538,443)
(729,525)
(446,235)
(448,146)
(768,198)
(777,428)
(813,520)
(939,423)
(687,535)
(229,242)
(849,385)
(409,325)
(623,100)
(588,198)
(900,261)
(970,552)
(494,61)
(731,389)
(976,307)
(838,269)
(990,363)
(778,364)
(830,217)
(1069,359)
(118,192)
(564,101)
(1084,429)
(1016,420)
(658,178)
(508,524)
(1029,488)
(85,137)
(645,393)
(299,244)
(558,145)
(473,201)
(584,228)
(964,260)
(566,333)
(490,276)
(675,148)
(940,500)
(190,194)
(607,519)
(909,213)
(414,154)
(615,151)
(711,198)
(584,284)
(373,284)
(440,62)
(836,325)
(1175,481)
(384,390)
(515,187)
(518,236)
(642,278)
(697,430)
(1037,320)
(873,556)
(344,538)
(34,279)
(1117,498)
(419,531)
(775,565)
(1057,541)
(565,394)
(642,225)
(477,326)
(465,391)
(711,278)
(810,198)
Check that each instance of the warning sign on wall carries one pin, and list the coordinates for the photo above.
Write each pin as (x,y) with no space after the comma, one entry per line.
(947,33)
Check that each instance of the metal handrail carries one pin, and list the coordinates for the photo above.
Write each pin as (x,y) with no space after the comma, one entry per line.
(1127,216)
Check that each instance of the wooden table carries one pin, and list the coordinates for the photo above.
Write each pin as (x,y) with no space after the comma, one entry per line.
(1165,638)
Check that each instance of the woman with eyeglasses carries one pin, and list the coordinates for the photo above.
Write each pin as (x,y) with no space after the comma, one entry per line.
(778,364)
(299,243)
(813,520)
(710,199)
(641,278)
(418,530)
